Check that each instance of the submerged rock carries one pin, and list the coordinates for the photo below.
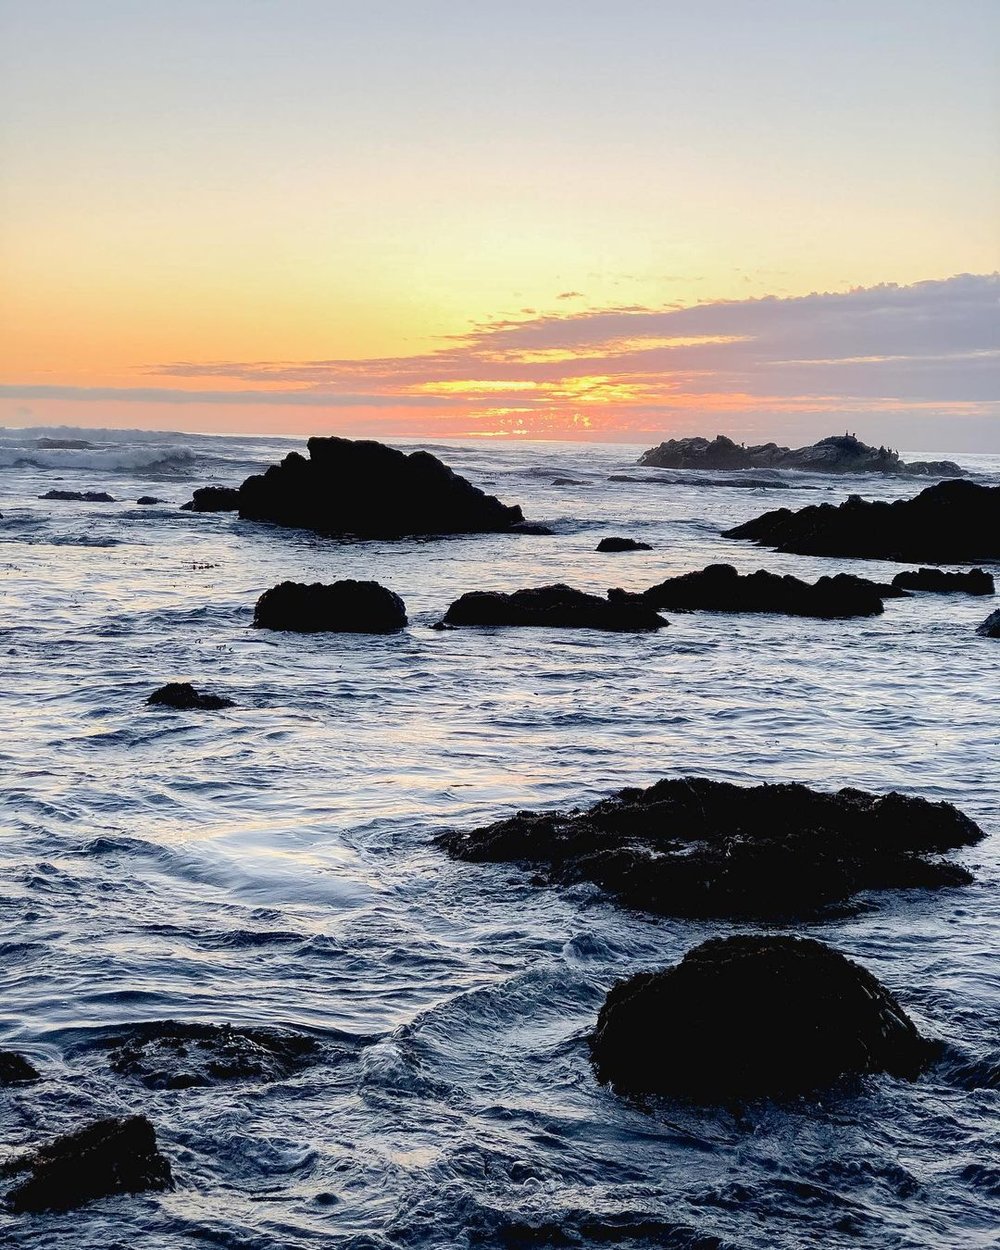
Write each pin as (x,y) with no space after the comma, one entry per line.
(698,848)
(559,605)
(113,1156)
(719,588)
(147,500)
(950,523)
(182,695)
(345,607)
(990,628)
(843,453)
(368,490)
(16,1070)
(79,496)
(753,1016)
(213,499)
(622,544)
(745,483)
(168,1054)
(975,582)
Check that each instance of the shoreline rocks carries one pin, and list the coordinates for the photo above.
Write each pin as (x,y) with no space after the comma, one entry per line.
(844,453)
(182,696)
(79,496)
(719,588)
(950,523)
(622,544)
(696,848)
(363,489)
(753,1016)
(937,582)
(556,606)
(345,607)
(117,1155)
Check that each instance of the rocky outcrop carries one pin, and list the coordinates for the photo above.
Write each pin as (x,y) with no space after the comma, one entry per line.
(990,628)
(753,1016)
(148,500)
(719,588)
(79,496)
(975,582)
(746,483)
(698,848)
(553,606)
(169,1054)
(118,1155)
(345,607)
(367,490)
(16,1070)
(184,697)
(950,523)
(213,499)
(843,453)
(622,544)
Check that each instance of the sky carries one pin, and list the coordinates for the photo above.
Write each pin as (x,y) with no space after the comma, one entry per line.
(550,219)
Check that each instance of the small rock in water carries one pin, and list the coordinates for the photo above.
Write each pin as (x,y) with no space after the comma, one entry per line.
(213,499)
(79,496)
(974,582)
(345,607)
(553,606)
(113,1156)
(990,628)
(16,1070)
(173,1055)
(148,499)
(182,695)
(622,544)
(753,1016)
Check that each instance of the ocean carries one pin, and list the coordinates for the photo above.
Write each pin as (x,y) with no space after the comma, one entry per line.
(273,863)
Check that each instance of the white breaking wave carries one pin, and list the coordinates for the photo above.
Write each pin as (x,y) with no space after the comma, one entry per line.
(115,459)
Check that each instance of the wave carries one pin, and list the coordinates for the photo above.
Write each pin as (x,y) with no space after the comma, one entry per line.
(116,459)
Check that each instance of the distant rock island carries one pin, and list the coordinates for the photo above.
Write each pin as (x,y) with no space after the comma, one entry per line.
(841,453)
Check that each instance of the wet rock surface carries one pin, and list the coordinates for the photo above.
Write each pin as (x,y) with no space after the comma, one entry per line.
(16,1070)
(213,499)
(79,496)
(719,588)
(622,544)
(345,607)
(691,847)
(842,453)
(753,1016)
(974,582)
(173,1055)
(990,628)
(112,1156)
(183,696)
(950,523)
(553,606)
(368,490)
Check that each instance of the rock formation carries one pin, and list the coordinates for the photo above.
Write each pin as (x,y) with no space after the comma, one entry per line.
(622,544)
(184,697)
(936,581)
(844,453)
(345,607)
(559,606)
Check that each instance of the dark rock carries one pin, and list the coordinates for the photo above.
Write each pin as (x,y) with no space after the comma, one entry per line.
(719,588)
(528,527)
(990,628)
(567,481)
(950,523)
(975,582)
(753,1016)
(346,607)
(146,500)
(79,496)
(843,453)
(64,444)
(747,483)
(559,605)
(182,695)
(170,1055)
(622,544)
(16,1070)
(118,1155)
(213,499)
(698,848)
(368,490)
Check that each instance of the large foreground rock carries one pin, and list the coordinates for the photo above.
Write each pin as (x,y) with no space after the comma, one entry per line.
(936,581)
(842,453)
(719,588)
(367,490)
(113,1156)
(169,1054)
(751,1016)
(990,628)
(950,523)
(558,605)
(698,848)
(345,607)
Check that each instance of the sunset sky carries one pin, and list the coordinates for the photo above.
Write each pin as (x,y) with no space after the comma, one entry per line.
(557,218)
